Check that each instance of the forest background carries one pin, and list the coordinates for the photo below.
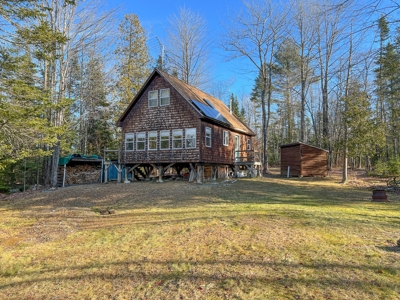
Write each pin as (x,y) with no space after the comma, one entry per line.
(326,73)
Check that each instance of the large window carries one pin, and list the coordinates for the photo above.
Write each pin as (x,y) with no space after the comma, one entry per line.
(153,98)
(190,138)
(164,139)
(177,139)
(140,141)
(153,140)
(129,141)
(164,97)
(208,137)
(226,138)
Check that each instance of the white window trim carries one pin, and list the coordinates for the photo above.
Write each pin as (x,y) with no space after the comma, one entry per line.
(210,137)
(225,138)
(173,139)
(148,98)
(132,136)
(186,137)
(169,97)
(169,139)
(137,141)
(149,135)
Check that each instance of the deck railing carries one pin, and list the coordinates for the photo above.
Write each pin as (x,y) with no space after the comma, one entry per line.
(247,156)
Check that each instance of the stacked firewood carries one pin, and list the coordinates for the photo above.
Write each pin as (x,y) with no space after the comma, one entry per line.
(82,174)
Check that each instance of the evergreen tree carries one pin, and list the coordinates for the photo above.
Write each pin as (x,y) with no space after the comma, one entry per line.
(22,107)
(383,27)
(234,103)
(287,73)
(388,89)
(363,131)
(133,60)
(97,134)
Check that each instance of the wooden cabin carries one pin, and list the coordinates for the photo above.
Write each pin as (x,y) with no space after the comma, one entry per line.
(170,124)
(299,159)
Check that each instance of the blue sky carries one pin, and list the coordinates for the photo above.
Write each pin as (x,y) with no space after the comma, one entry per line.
(154,17)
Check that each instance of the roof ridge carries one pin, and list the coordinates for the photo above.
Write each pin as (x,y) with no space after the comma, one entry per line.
(189,93)
(196,91)
(190,86)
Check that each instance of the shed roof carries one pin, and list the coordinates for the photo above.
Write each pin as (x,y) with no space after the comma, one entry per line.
(190,93)
(300,143)
(79,158)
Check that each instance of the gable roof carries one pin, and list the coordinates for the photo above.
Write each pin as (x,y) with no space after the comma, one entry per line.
(190,93)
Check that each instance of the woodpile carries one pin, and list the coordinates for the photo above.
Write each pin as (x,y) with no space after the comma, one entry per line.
(81,174)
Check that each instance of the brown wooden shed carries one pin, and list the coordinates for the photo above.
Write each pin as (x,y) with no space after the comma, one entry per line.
(303,160)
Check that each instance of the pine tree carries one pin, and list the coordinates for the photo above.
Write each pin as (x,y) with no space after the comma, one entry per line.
(133,59)
(234,102)
(363,131)
(388,88)
(383,27)
(22,106)
(97,116)
(287,72)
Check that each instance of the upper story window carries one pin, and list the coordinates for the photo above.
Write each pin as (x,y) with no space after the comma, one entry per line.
(226,138)
(177,136)
(129,141)
(164,97)
(190,138)
(153,140)
(140,141)
(208,137)
(164,139)
(153,98)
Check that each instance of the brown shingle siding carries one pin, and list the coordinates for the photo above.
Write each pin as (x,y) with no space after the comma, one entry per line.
(179,114)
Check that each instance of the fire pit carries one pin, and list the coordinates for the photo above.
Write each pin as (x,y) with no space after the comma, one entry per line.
(379,196)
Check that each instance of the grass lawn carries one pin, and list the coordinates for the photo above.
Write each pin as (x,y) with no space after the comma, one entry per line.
(264,238)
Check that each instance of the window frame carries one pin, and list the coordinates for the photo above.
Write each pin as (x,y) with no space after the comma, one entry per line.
(208,138)
(193,139)
(161,139)
(161,97)
(129,135)
(139,136)
(152,134)
(248,144)
(225,138)
(174,139)
(152,99)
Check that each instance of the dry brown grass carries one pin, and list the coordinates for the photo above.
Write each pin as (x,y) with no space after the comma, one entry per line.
(266,238)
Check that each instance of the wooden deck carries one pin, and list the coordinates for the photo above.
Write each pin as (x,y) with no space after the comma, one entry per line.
(247,161)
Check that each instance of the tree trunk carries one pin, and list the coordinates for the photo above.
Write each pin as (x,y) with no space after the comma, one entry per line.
(54,164)
(264,128)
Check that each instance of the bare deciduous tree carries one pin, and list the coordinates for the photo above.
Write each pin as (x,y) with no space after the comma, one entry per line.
(189,48)
(81,24)
(254,35)
(305,37)
(330,22)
